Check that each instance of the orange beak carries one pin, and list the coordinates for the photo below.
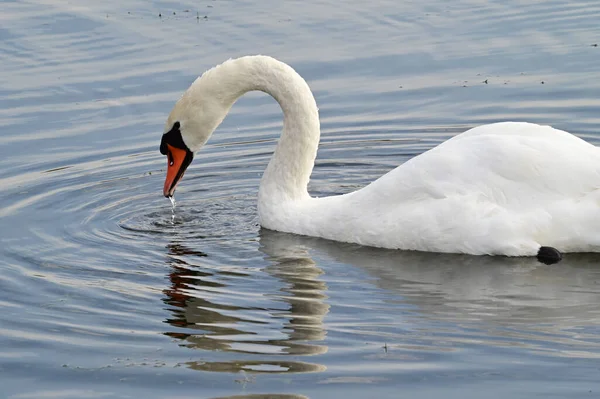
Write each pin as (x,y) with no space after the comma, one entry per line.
(177,162)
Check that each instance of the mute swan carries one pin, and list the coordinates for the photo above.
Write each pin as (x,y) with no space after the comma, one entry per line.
(514,189)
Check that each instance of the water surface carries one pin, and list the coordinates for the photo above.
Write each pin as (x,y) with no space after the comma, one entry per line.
(105,295)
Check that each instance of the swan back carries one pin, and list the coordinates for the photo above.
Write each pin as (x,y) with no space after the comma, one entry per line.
(505,188)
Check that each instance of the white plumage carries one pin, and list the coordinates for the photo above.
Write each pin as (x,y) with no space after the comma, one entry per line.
(501,189)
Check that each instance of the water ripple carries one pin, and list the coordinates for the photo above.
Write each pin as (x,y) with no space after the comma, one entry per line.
(106,290)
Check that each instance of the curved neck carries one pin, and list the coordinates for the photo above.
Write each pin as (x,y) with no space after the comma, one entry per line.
(287,175)
(289,170)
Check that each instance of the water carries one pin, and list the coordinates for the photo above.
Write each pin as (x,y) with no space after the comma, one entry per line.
(108,293)
(172,199)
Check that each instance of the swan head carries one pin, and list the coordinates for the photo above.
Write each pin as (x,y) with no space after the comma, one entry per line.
(189,126)
(179,157)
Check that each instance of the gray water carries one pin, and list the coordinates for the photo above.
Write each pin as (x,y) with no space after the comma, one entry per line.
(104,295)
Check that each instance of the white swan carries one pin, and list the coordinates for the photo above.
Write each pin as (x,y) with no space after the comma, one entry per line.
(499,189)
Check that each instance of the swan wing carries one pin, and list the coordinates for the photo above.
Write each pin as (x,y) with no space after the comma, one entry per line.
(505,188)
(515,165)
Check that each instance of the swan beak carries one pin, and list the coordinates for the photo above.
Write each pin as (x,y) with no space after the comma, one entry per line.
(177,162)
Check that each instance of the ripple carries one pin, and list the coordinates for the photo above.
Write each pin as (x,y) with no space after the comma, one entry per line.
(264,396)
(258,367)
(97,270)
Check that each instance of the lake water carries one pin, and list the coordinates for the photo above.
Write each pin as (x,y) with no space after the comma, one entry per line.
(105,295)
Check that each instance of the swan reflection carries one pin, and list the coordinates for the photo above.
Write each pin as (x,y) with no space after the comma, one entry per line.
(285,320)
(264,396)
(501,301)
(517,290)
(512,302)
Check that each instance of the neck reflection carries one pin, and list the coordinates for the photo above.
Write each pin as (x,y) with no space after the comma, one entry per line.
(216,308)
(277,307)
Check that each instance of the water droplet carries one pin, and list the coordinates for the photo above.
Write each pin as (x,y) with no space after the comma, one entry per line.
(172,209)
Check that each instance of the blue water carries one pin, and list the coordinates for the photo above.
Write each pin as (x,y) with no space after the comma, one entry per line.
(105,295)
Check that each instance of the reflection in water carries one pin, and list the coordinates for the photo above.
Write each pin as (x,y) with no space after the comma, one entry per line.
(258,366)
(85,228)
(211,315)
(266,396)
(497,300)
(303,291)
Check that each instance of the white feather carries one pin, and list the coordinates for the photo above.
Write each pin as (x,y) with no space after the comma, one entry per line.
(504,188)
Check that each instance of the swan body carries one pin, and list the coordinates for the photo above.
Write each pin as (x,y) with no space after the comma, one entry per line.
(499,189)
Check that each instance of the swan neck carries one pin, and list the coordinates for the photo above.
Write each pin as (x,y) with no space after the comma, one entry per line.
(287,175)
